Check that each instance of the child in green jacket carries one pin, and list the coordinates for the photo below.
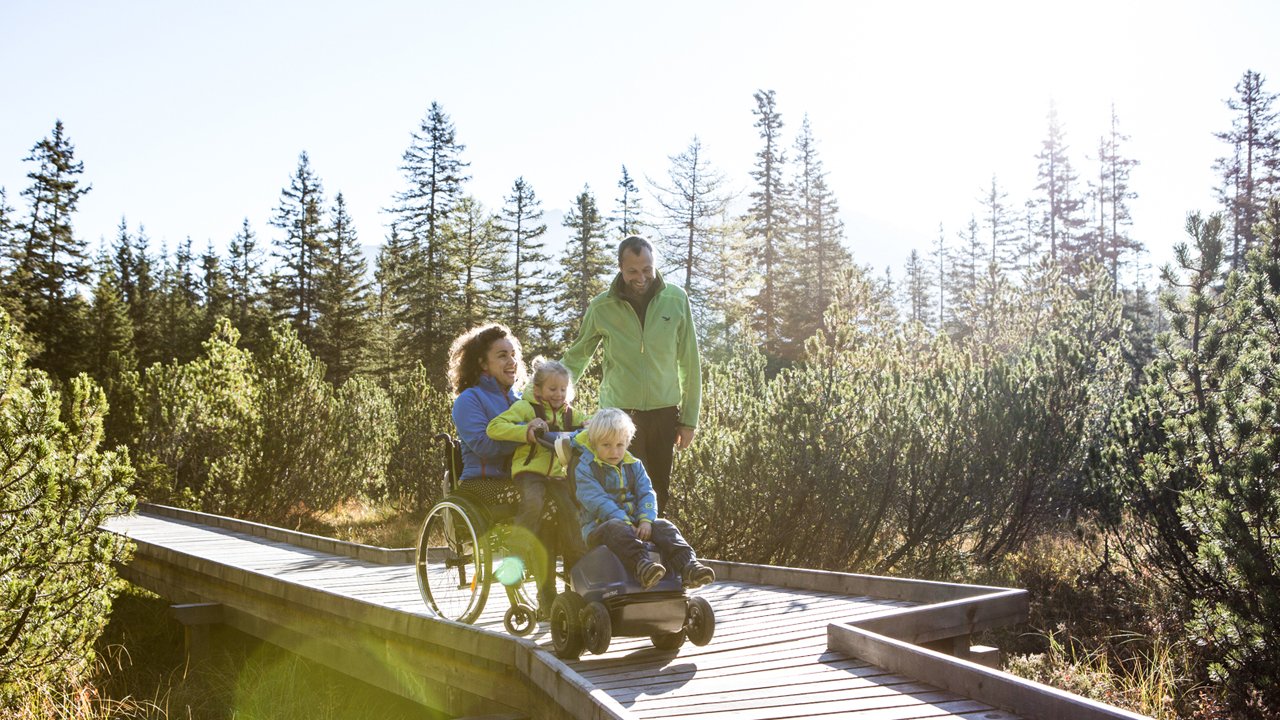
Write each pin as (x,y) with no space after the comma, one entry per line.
(540,477)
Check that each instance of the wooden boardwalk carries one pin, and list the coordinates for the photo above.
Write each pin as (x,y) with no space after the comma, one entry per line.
(770,657)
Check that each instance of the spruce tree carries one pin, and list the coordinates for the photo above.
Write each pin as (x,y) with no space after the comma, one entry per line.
(628,216)
(693,203)
(587,262)
(343,299)
(768,222)
(215,291)
(967,262)
(916,291)
(300,250)
(1058,206)
(819,256)
(179,306)
(140,286)
(393,275)
(110,339)
(482,259)
(1113,219)
(1001,227)
(11,264)
(53,264)
(529,284)
(435,175)
(1252,173)
(941,254)
(247,308)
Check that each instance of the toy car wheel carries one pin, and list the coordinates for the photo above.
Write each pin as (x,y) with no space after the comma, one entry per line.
(597,628)
(520,619)
(700,621)
(668,641)
(566,625)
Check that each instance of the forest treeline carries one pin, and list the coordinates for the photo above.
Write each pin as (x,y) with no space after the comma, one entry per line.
(1016,380)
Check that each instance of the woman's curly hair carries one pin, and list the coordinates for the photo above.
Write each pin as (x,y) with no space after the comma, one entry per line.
(468,353)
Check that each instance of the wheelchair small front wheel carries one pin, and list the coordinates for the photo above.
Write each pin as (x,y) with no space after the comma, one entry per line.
(452,561)
(520,619)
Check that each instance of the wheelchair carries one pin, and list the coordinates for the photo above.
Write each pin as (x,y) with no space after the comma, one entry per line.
(465,535)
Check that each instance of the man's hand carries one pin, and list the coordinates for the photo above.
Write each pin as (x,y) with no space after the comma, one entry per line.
(684,437)
(644,530)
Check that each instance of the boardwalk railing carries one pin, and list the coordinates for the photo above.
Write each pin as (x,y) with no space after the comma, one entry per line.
(857,641)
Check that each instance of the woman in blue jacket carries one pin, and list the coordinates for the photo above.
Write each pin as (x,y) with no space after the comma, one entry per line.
(484,368)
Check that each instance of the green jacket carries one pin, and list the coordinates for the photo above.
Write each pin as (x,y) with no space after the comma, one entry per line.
(511,427)
(645,368)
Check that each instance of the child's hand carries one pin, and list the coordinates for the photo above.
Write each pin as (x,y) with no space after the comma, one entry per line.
(644,530)
(531,435)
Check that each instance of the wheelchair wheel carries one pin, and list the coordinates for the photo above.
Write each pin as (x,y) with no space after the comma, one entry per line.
(453,562)
(597,628)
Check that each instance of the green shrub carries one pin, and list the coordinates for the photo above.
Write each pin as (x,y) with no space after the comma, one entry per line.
(56,487)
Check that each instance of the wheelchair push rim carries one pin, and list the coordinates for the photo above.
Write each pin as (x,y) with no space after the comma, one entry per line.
(453,562)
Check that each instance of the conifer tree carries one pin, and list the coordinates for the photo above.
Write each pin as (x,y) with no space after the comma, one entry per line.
(628,217)
(941,267)
(300,250)
(967,262)
(819,255)
(435,175)
(179,306)
(721,314)
(110,338)
(1058,206)
(693,202)
(482,260)
(392,277)
(768,223)
(1000,226)
(529,283)
(343,299)
(215,291)
(1114,193)
(246,293)
(140,287)
(587,261)
(916,291)
(11,254)
(53,264)
(1252,173)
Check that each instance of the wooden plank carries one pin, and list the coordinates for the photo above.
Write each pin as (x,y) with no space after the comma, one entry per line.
(919,704)
(997,688)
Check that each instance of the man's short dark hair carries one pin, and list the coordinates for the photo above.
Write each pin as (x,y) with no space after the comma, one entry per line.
(635,244)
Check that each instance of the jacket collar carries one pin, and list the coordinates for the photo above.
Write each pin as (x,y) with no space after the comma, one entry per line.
(618,287)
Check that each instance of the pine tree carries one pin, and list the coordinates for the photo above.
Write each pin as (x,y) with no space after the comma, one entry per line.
(1252,174)
(139,284)
(482,259)
(940,255)
(769,223)
(916,291)
(820,255)
(215,291)
(300,251)
(343,299)
(110,339)
(53,264)
(434,172)
(628,217)
(529,283)
(246,293)
(1000,226)
(1059,207)
(693,202)
(179,306)
(587,262)
(1113,194)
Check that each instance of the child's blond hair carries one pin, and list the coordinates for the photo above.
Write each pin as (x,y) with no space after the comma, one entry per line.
(545,367)
(609,423)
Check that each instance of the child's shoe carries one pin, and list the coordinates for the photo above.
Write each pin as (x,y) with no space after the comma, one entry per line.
(510,572)
(649,573)
(564,450)
(695,575)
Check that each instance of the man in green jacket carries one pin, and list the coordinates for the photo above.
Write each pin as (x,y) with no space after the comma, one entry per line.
(650,359)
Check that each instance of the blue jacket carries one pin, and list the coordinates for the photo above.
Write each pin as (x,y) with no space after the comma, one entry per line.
(472,411)
(626,492)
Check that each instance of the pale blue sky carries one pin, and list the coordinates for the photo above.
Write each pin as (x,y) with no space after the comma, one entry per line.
(189,117)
